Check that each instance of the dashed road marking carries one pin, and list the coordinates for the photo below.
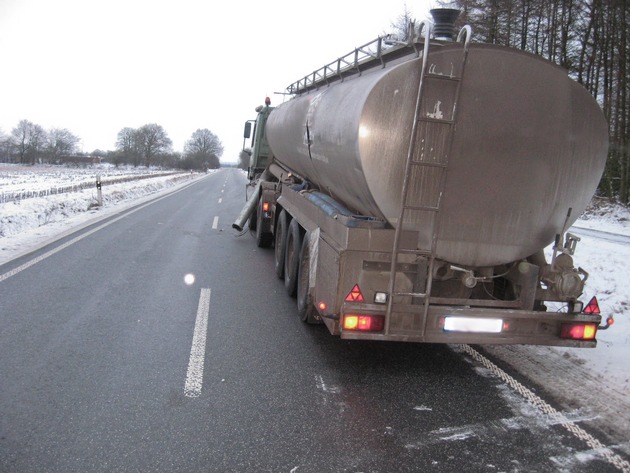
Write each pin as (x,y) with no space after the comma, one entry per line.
(194,375)
(215,223)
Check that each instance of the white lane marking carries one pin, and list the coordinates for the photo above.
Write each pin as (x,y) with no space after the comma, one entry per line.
(215,223)
(577,431)
(221,200)
(422,408)
(194,375)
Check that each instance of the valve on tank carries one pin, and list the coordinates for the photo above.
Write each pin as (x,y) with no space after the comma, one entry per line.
(562,279)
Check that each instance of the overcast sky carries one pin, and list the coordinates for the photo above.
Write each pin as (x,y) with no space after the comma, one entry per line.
(97,66)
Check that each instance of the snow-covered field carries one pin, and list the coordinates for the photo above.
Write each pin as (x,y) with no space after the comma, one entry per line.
(19,178)
(597,379)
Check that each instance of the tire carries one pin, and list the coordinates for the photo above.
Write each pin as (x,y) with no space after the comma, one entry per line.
(280,244)
(292,257)
(263,239)
(306,310)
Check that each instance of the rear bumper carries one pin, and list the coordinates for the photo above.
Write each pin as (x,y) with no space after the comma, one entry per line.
(518,326)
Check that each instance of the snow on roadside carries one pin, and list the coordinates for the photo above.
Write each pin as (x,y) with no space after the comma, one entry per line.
(606,217)
(29,223)
(17,178)
(609,280)
(609,276)
(599,378)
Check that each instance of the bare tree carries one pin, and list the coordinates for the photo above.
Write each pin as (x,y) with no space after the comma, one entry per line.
(5,146)
(152,141)
(127,147)
(402,25)
(27,140)
(19,139)
(204,148)
(61,143)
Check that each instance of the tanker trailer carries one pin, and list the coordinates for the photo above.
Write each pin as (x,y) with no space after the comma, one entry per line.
(409,190)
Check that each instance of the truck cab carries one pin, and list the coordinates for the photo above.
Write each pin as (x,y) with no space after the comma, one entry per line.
(260,154)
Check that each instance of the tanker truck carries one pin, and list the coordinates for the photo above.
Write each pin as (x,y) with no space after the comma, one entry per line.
(409,189)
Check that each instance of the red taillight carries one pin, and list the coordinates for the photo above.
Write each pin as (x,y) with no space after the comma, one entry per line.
(578,331)
(363,323)
(265,206)
(592,307)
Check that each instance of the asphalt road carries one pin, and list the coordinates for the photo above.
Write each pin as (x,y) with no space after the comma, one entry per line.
(112,359)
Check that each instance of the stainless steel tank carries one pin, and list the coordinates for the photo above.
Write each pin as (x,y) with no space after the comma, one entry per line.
(528,144)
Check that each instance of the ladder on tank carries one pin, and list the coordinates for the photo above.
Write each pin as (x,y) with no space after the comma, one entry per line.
(434,132)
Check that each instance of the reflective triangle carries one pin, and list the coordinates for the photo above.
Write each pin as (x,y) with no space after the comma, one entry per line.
(355,295)
(592,307)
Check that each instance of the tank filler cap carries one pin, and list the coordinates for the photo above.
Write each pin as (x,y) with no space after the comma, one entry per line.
(444,23)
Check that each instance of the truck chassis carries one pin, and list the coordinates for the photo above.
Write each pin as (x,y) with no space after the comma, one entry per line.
(338,266)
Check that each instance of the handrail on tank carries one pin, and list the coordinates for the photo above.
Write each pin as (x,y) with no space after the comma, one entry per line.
(372,50)
(428,25)
(465,34)
(375,50)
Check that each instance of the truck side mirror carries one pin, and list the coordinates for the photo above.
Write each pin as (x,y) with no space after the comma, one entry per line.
(248,130)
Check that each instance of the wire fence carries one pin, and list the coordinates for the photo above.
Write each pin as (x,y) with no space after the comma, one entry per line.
(21,195)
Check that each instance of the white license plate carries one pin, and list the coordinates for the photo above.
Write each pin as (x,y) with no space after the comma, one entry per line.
(472,324)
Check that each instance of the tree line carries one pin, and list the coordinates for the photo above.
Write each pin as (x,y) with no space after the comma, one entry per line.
(149,145)
(30,143)
(589,38)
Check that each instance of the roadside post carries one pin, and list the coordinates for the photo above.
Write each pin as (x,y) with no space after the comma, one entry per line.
(99,191)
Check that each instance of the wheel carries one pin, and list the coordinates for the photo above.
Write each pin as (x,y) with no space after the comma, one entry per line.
(306,309)
(280,244)
(292,257)
(263,238)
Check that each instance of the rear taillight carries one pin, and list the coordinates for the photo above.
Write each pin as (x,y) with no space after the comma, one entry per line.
(363,323)
(579,331)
